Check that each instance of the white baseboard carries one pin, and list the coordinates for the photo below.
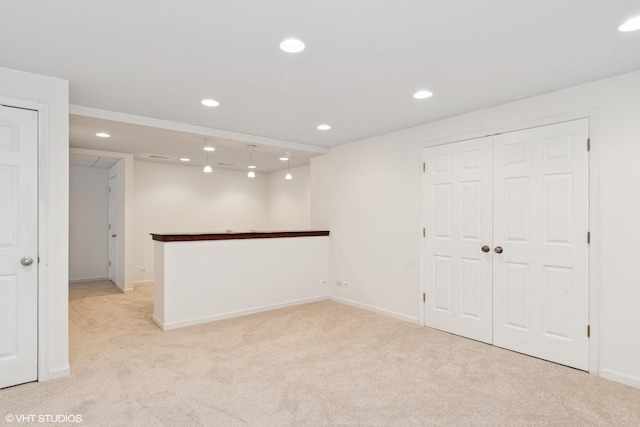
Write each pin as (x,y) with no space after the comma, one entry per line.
(54,374)
(88,279)
(378,310)
(123,290)
(230,315)
(620,377)
(158,322)
(138,282)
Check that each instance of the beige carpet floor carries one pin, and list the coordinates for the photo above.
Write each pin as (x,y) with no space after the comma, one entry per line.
(321,364)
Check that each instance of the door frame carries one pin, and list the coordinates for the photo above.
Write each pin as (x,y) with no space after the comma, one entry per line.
(594,209)
(114,260)
(43,228)
(124,251)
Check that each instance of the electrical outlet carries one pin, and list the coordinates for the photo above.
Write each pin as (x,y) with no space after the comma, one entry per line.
(143,269)
(323,282)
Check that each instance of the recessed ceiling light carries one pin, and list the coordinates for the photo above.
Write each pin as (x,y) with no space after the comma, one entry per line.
(103,135)
(324,127)
(210,102)
(632,24)
(184,159)
(209,148)
(422,94)
(292,46)
(284,159)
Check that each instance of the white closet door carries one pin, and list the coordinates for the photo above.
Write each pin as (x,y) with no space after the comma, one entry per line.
(18,246)
(457,185)
(541,220)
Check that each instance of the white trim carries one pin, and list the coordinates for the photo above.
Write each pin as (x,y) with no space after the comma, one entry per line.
(230,315)
(594,248)
(89,279)
(594,208)
(121,289)
(375,309)
(198,130)
(619,377)
(512,127)
(55,374)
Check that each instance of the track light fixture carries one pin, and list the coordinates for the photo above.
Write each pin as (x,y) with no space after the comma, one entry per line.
(207,149)
(251,173)
(288,176)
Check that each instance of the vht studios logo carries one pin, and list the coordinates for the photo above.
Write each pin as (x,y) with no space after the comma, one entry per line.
(43,418)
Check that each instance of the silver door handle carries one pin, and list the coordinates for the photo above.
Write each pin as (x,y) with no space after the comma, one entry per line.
(26,260)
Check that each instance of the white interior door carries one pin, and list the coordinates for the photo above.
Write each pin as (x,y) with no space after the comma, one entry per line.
(18,246)
(525,195)
(541,220)
(458,225)
(113,227)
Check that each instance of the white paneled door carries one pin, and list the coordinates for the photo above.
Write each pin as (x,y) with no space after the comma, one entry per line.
(541,220)
(458,227)
(18,245)
(523,197)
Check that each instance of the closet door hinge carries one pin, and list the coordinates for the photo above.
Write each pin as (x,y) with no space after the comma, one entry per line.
(424,167)
(588,331)
(424,297)
(424,232)
(588,237)
(588,144)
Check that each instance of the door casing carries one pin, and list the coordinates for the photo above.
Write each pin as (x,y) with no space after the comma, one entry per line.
(44,335)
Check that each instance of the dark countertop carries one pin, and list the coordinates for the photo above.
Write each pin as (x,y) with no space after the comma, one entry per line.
(232,235)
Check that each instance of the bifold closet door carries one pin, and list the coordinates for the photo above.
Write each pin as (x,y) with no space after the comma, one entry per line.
(540,224)
(457,264)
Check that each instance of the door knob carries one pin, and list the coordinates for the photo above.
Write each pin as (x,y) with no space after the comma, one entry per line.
(498,249)
(485,248)
(26,260)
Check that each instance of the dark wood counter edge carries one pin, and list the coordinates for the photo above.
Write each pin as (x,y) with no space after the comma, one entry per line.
(235,236)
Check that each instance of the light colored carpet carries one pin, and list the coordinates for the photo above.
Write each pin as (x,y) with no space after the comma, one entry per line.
(321,364)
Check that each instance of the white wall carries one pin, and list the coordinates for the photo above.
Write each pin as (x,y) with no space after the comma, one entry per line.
(367,193)
(290,200)
(88,223)
(182,199)
(52,95)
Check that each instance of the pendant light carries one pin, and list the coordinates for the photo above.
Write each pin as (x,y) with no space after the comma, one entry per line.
(288,175)
(251,173)
(207,149)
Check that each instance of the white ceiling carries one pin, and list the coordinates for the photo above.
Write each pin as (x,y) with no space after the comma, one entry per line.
(364,59)
(169,146)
